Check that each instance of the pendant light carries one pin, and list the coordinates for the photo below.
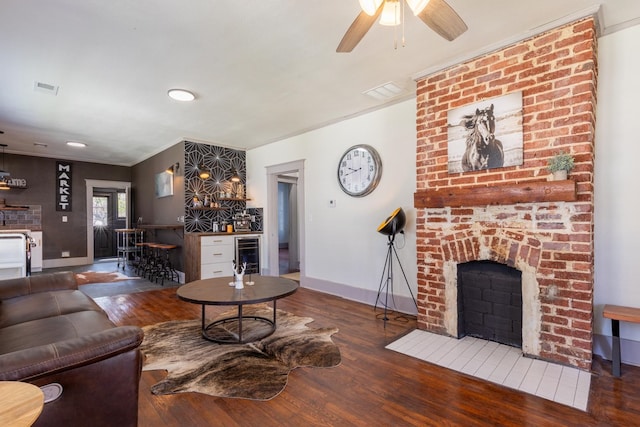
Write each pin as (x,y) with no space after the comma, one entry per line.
(5,177)
(203,172)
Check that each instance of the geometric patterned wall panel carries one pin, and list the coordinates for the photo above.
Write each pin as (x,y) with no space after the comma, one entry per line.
(222,163)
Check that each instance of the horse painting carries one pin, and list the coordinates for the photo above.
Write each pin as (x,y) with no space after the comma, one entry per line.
(483,150)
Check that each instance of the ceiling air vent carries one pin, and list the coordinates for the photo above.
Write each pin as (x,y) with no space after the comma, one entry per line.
(46,88)
(385,91)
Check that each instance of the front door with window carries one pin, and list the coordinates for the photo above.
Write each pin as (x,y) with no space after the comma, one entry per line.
(109,214)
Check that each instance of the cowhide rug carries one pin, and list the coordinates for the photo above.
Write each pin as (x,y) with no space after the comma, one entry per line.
(257,371)
(87,277)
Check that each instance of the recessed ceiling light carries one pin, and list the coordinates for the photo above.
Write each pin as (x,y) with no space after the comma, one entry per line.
(76,144)
(181,95)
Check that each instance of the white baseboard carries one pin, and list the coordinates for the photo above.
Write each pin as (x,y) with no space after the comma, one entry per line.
(399,303)
(180,276)
(64,262)
(629,350)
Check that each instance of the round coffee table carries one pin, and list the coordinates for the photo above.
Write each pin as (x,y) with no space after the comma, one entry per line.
(20,403)
(217,291)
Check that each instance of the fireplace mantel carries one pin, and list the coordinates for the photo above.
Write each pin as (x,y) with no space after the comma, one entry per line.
(503,194)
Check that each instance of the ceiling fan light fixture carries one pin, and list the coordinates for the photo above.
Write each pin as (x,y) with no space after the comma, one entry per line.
(391,13)
(436,14)
(417,6)
(370,6)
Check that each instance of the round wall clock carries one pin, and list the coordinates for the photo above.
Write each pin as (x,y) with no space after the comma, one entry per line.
(359,170)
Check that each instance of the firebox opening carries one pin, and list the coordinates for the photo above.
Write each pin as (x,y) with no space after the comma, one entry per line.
(490,302)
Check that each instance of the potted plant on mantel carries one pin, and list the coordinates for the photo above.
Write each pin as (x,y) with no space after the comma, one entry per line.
(559,165)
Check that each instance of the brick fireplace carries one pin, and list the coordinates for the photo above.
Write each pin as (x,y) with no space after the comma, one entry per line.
(542,229)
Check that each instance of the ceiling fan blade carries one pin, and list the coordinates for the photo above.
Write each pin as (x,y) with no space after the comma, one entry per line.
(442,19)
(357,30)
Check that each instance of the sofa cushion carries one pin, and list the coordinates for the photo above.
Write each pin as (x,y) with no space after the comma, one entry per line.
(63,280)
(44,304)
(51,330)
(63,356)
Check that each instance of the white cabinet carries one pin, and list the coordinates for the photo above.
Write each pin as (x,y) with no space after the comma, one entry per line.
(13,259)
(216,256)
(36,251)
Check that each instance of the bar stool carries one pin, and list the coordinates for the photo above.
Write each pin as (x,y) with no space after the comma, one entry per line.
(143,257)
(152,265)
(165,268)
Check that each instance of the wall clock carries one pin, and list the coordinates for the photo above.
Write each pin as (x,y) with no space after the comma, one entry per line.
(359,170)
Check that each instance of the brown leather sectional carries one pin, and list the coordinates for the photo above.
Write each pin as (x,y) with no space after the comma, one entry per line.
(50,332)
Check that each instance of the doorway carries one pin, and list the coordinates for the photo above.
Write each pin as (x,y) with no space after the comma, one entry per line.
(288,245)
(109,214)
(292,175)
(123,189)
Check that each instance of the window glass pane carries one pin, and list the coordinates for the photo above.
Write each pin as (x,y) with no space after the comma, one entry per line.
(100,211)
(122,205)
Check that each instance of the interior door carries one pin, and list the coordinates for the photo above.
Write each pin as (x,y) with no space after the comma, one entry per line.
(274,172)
(107,217)
(288,245)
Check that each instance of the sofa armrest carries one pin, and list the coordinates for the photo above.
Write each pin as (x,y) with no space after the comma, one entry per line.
(11,288)
(33,363)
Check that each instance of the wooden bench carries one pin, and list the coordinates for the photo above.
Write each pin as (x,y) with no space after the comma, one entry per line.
(617,313)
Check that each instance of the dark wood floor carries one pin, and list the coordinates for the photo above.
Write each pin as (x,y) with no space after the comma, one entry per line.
(372,386)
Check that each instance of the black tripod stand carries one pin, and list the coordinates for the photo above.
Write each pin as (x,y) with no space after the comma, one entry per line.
(386,281)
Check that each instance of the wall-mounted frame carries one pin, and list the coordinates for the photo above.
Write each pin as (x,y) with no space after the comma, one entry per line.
(164,184)
(486,134)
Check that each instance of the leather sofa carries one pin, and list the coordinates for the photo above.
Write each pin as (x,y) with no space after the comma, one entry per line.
(50,332)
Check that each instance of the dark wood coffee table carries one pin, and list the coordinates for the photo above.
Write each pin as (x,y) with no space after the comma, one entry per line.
(218,292)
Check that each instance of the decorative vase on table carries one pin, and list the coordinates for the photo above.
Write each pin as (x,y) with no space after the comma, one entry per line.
(238,276)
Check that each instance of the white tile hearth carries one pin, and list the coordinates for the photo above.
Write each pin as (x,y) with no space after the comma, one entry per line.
(500,364)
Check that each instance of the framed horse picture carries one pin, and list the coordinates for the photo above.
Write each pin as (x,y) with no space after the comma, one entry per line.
(486,135)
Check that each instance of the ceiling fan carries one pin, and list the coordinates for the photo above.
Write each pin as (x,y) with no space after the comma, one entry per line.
(437,14)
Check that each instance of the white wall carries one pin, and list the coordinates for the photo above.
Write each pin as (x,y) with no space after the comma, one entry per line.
(343,248)
(344,252)
(617,200)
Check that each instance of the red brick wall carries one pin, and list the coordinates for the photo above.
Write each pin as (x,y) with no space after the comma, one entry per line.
(556,72)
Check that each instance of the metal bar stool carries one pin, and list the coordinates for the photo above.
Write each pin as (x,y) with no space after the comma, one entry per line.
(152,267)
(142,260)
(165,268)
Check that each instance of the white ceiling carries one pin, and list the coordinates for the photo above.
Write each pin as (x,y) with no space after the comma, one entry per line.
(261,70)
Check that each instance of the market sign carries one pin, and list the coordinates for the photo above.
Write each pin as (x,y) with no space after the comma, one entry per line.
(63,186)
